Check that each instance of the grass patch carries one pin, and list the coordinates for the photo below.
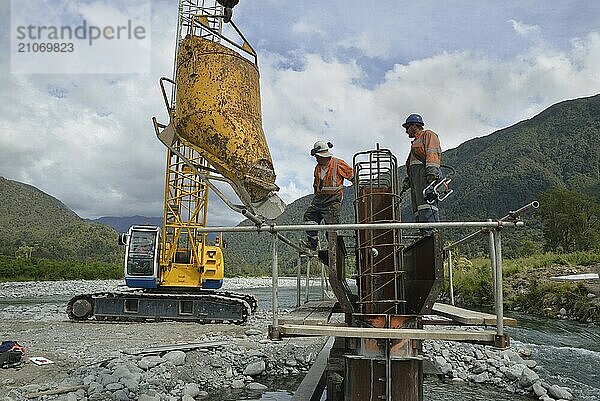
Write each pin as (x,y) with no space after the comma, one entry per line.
(527,284)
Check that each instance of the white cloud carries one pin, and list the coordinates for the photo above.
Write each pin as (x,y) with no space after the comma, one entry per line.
(461,95)
(302,27)
(523,29)
(369,44)
(88,140)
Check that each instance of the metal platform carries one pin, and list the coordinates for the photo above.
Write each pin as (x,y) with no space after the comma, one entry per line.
(469,317)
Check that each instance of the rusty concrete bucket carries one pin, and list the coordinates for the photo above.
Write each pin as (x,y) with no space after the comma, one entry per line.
(218,112)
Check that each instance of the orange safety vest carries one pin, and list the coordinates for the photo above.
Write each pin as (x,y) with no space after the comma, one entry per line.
(328,185)
(425,149)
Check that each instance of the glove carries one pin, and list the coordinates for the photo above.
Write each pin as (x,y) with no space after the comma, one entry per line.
(430,178)
(405,184)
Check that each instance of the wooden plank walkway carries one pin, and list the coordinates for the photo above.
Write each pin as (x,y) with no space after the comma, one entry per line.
(314,313)
(469,317)
(395,334)
(314,382)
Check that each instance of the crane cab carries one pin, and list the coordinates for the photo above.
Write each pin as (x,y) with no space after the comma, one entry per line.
(141,256)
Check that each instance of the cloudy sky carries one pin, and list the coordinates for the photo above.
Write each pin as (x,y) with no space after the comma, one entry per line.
(347,72)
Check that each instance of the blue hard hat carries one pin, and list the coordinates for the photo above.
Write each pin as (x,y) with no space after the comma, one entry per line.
(413,119)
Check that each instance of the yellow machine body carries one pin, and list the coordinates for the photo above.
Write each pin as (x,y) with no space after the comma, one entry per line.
(210,267)
(187,259)
(218,113)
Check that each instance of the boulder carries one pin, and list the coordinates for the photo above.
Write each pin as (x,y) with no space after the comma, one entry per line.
(255,368)
(191,389)
(177,358)
(558,392)
(254,386)
(528,377)
(514,372)
(539,390)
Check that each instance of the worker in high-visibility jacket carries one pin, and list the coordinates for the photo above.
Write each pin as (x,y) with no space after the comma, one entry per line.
(329,176)
(422,168)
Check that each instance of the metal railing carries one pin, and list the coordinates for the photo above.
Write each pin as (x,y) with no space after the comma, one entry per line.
(495,253)
(275,230)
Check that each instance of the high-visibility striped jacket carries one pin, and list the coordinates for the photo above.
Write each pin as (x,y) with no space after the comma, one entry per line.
(425,149)
(332,182)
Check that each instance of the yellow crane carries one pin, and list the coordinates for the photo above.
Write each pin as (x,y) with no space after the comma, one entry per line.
(214,134)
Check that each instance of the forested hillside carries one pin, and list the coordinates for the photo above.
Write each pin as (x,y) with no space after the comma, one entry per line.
(506,169)
(34,224)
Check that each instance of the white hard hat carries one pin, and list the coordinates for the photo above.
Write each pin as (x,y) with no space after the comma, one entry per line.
(321,148)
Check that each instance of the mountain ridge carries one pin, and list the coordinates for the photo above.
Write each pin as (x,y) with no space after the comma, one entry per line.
(496,173)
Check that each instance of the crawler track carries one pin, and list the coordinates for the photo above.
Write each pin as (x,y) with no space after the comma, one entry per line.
(202,306)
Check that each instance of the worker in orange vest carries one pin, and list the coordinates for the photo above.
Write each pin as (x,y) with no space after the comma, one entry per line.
(422,168)
(329,176)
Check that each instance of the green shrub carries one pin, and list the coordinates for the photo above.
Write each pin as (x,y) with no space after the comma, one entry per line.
(20,269)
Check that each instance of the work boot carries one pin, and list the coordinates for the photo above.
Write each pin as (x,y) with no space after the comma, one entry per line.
(310,243)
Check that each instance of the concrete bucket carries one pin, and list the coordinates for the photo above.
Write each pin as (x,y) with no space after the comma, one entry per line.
(219,115)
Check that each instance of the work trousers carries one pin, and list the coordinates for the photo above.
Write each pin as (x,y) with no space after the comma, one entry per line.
(322,208)
(423,212)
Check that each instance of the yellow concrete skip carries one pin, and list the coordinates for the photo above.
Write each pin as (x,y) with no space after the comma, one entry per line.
(311,313)
(469,317)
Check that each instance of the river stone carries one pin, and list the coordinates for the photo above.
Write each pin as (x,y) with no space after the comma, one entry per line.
(479,369)
(539,390)
(525,352)
(481,378)
(94,387)
(563,312)
(513,356)
(514,372)
(237,384)
(122,372)
(253,332)
(177,358)
(131,385)
(528,377)
(255,368)
(114,386)
(531,363)
(559,392)
(254,386)
(148,362)
(191,389)
(107,379)
(120,395)
(146,397)
(187,398)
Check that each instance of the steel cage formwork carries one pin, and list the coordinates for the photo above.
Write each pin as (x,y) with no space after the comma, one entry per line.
(378,251)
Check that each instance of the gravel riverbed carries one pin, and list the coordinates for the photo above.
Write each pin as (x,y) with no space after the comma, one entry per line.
(115,361)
